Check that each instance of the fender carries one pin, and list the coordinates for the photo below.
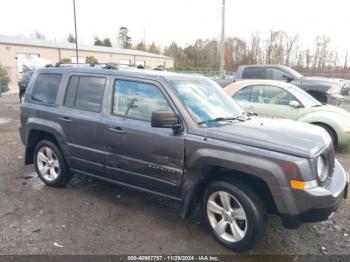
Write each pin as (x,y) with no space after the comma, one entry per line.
(328,118)
(50,127)
(200,161)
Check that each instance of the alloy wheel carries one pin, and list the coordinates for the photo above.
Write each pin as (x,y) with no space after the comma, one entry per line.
(48,164)
(227,216)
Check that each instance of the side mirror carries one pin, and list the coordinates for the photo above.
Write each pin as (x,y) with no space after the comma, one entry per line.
(295,104)
(288,78)
(165,119)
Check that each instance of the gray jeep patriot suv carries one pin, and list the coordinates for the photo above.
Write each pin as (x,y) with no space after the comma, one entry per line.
(180,137)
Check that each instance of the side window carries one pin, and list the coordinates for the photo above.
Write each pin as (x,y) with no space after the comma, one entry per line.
(254,73)
(46,87)
(271,95)
(85,93)
(275,74)
(243,94)
(138,100)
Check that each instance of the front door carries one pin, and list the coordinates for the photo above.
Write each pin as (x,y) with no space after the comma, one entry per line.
(136,153)
(272,101)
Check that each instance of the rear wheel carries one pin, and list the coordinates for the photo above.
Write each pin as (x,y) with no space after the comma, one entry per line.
(234,214)
(50,165)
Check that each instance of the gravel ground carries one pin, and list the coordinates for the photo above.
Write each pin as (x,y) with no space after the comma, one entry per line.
(91,217)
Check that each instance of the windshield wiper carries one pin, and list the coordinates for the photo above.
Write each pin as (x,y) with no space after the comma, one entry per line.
(218,119)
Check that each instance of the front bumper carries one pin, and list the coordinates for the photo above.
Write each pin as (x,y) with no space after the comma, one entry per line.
(318,204)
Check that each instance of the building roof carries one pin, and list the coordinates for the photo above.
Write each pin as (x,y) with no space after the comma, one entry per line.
(14,40)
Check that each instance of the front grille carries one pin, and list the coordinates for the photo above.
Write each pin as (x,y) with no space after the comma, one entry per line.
(329,156)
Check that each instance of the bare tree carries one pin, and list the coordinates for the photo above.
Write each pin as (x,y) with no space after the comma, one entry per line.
(291,42)
(275,47)
(346,62)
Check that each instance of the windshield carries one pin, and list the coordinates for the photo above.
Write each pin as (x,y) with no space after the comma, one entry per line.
(205,100)
(306,99)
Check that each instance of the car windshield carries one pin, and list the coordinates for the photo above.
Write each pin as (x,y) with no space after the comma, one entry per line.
(306,99)
(206,101)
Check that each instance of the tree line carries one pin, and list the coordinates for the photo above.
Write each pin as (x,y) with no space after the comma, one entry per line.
(278,47)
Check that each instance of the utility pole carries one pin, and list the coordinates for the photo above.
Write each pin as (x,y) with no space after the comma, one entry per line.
(222,43)
(76,34)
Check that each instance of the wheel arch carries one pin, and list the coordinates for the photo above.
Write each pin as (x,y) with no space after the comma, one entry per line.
(329,127)
(39,131)
(218,173)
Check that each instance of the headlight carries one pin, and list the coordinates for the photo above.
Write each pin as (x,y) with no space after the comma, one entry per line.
(321,171)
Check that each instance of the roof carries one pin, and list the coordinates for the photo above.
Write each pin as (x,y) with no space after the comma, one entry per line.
(264,65)
(125,72)
(14,40)
(234,87)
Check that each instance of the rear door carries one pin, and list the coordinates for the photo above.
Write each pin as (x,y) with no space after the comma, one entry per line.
(136,153)
(80,118)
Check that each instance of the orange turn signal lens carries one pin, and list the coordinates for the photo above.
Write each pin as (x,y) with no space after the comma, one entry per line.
(302,185)
(297,184)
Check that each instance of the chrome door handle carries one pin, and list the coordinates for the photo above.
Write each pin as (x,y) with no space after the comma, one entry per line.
(116,129)
(65,119)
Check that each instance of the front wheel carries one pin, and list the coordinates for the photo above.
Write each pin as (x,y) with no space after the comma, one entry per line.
(234,214)
(50,165)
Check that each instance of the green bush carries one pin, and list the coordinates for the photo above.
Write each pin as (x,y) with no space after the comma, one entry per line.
(66,60)
(91,60)
(4,80)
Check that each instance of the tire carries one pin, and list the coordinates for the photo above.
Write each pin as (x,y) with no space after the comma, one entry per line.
(50,165)
(331,133)
(248,232)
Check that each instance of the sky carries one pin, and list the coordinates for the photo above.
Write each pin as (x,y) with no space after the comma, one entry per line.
(183,21)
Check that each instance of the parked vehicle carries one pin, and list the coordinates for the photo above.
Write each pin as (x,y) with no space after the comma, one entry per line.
(346,88)
(181,137)
(284,100)
(23,83)
(323,89)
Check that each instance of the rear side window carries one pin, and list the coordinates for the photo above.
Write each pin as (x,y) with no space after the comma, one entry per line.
(85,93)
(254,73)
(46,87)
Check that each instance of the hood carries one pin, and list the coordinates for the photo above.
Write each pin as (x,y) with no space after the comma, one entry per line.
(335,113)
(320,80)
(286,136)
(327,84)
(332,109)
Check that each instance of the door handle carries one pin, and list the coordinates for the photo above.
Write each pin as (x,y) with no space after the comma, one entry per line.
(65,119)
(117,129)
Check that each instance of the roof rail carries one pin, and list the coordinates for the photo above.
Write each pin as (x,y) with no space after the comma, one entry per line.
(112,66)
(97,65)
